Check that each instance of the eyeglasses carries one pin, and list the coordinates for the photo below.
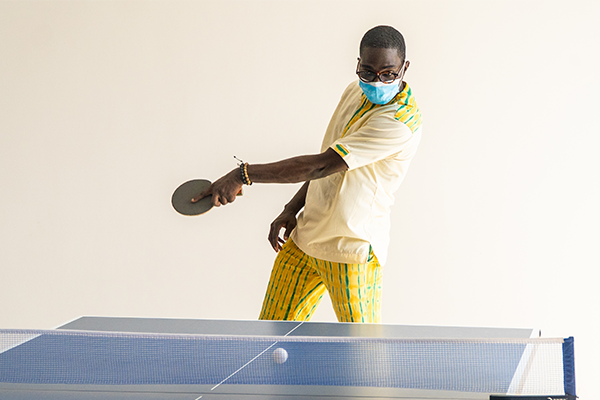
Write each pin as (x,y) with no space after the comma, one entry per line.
(383,76)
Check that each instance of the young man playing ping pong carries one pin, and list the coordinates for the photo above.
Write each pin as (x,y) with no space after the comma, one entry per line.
(336,227)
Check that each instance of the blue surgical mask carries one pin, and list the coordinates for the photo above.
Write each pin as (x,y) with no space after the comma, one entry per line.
(379,92)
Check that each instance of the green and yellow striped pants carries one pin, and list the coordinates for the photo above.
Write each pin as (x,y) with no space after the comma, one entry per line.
(298,282)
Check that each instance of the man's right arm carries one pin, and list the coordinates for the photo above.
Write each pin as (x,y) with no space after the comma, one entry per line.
(287,219)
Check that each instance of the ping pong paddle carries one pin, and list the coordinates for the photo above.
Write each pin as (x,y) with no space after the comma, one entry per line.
(183,195)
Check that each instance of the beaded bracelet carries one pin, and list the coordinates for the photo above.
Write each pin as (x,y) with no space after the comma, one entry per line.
(244,172)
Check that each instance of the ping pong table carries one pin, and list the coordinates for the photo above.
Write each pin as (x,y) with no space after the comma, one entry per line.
(173,359)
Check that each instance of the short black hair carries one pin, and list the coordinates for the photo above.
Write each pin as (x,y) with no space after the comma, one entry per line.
(384,37)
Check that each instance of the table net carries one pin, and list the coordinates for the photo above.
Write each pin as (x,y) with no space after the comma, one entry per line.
(511,366)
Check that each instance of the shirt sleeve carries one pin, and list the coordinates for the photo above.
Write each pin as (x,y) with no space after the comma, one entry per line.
(381,137)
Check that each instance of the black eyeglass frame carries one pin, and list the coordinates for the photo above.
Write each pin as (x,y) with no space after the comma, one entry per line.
(377,76)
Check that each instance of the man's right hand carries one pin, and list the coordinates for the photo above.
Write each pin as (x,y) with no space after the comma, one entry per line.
(224,190)
(285,220)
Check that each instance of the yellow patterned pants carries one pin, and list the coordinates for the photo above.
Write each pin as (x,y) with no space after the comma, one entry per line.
(298,282)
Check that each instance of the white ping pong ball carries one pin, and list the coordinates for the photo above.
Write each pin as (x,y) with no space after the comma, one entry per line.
(280,355)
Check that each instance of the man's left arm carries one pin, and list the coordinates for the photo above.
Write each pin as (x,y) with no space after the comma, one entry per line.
(291,170)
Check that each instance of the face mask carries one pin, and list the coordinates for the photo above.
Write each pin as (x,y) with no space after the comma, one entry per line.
(379,92)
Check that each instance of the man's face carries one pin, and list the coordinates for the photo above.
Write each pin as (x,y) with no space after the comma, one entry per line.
(381,60)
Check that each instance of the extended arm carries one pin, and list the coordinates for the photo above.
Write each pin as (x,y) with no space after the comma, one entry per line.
(298,169)
(291,170)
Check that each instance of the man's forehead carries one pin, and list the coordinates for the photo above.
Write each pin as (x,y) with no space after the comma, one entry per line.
(374,54)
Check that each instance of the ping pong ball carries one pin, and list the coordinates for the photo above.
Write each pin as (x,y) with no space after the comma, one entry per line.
(280,355)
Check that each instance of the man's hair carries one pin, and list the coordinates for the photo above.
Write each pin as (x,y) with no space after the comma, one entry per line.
(384,37)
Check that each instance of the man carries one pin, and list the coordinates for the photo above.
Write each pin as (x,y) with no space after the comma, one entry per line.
(341,234)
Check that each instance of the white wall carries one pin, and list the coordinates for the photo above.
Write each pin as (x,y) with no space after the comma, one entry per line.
(105,107)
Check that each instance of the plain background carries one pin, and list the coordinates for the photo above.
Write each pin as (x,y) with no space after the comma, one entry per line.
(106,107)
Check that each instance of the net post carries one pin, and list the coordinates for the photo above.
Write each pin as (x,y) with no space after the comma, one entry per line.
(568,348)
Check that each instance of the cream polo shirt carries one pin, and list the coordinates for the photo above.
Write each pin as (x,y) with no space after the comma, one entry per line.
(348,213)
